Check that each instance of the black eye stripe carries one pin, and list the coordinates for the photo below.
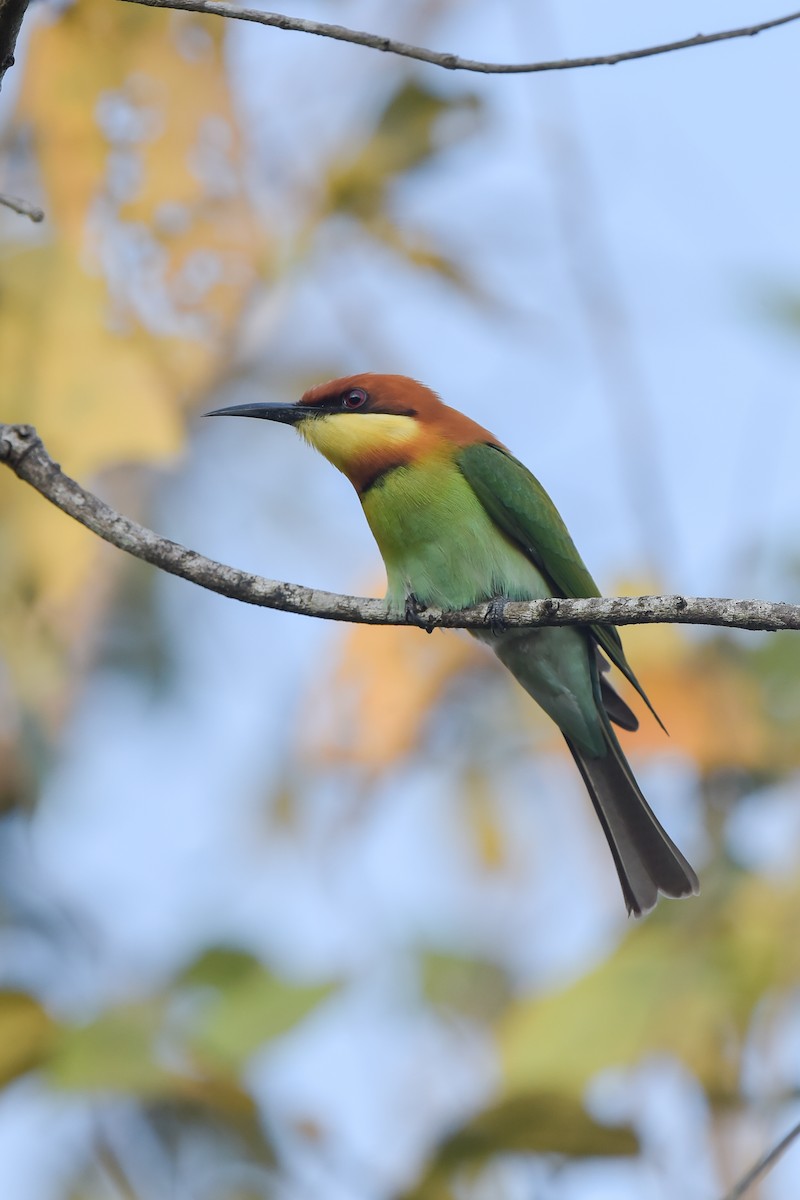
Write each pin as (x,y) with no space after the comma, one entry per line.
(353,399)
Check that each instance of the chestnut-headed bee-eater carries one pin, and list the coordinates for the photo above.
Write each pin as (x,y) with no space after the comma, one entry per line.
(458,520)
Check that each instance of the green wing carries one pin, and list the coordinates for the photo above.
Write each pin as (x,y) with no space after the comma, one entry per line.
(518,503)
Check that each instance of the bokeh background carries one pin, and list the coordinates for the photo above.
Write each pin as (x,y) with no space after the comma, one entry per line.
(295,910)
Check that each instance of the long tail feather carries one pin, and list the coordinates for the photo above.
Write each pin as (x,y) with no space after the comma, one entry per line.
(647,860)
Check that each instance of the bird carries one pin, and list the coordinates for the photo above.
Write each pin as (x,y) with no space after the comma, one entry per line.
(459,521)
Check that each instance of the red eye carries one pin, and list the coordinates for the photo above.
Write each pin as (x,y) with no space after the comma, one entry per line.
(354,398)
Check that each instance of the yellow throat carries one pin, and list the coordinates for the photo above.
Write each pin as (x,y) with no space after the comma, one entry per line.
(347,438)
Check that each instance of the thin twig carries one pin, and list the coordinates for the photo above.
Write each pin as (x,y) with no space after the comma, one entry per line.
(23,207)
(764,1164)
(22,450)
(109,1161)
(453,62)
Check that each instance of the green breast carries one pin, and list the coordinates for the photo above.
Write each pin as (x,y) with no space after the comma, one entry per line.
(438,541)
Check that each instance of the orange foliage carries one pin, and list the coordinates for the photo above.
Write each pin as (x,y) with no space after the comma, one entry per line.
(372,710)
(709,703)
(387,683)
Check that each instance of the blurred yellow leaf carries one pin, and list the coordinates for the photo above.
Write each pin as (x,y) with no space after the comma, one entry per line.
(136,134)
(707,699)
(137,143)
(98,401)
(386,684)
(483,819)
(125,307)
(222,1100)
(684,983)
(711,696)
(26,1033)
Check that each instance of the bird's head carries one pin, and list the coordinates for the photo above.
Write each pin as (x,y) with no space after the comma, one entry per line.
(368,424)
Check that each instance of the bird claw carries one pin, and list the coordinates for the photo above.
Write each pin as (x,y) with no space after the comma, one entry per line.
(495,617)
(414,611)
(413,607)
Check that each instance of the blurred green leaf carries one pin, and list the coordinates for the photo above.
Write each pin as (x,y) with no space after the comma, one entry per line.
(525,1124)
(409,124)
(406,135)
(538,1124)
(113,1053)
(240,1007)
(413,127)
(220,967)
(251,1006)
(122,1052)
(248,1016)
(473,989)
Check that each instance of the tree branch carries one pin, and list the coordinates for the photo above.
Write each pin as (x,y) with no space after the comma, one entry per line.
(453,62)
(23,207)
(11,14)
(763,1166)
(22,450)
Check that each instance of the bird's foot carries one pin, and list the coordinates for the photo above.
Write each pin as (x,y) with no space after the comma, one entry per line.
(415,610)
(413,607)
(495,617)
